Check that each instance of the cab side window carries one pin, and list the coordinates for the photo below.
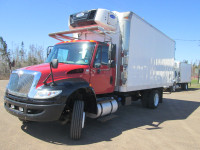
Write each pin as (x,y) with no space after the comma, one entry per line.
(101,56)
(104,60)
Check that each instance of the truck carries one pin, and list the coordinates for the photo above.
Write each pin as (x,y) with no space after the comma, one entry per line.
(105,60)
(182,75)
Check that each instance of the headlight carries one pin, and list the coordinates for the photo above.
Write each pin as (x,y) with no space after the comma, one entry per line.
(46,94)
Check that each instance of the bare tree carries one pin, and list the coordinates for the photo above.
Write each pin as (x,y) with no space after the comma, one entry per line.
(32,56)
(5,54)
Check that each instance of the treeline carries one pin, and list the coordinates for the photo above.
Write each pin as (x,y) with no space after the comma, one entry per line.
(18,57)
(195,69)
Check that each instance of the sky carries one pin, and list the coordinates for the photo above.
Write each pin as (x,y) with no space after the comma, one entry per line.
(31,21)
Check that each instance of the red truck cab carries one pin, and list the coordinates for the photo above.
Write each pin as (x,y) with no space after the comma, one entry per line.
(85,71)
(86,59)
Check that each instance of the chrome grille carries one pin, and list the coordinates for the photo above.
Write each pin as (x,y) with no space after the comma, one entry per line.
(20,84)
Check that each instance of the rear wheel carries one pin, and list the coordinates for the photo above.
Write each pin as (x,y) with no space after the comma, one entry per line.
(154,99)
(145,99)
(78,120)
(184,86)
(174,88)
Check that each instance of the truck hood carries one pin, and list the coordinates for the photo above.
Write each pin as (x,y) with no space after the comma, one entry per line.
(59,73)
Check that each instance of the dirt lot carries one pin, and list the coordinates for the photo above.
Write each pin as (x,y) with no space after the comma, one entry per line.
(174,125)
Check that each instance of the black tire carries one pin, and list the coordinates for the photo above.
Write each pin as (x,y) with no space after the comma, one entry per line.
(154,99)
(77,120)
(184,86)
(161,95)
(145,99)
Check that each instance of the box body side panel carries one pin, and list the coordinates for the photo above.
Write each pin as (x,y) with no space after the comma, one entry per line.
(185,73)
(150,57)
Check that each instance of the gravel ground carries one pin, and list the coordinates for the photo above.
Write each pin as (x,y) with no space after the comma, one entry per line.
(173,125)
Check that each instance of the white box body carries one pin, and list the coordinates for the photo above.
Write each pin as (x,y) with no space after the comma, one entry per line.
(182,72)
(185,70)
(150,58)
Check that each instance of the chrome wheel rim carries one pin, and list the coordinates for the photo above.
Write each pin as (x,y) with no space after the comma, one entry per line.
(156,99)
(83,120)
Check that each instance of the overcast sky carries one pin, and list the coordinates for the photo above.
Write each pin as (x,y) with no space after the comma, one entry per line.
(31,21)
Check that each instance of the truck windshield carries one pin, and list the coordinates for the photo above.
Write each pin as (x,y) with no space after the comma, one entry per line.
(72,53)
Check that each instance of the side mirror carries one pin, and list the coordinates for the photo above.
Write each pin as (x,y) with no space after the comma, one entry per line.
(49,50)
(54,63)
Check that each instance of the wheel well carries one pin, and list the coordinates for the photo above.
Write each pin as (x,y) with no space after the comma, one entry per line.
(86,95)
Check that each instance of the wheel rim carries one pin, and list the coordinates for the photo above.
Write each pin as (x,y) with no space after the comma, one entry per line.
(186,87)
(156,99)
(83,121)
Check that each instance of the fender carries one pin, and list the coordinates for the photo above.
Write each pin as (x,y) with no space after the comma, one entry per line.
(72,89)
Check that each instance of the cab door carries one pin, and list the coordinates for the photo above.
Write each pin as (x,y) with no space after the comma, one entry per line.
(102,75)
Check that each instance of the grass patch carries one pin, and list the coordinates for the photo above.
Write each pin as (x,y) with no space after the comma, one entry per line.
(194,84)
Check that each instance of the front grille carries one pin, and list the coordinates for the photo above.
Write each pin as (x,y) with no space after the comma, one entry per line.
(20,84)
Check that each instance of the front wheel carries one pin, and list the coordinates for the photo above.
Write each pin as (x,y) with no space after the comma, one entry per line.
(78,120)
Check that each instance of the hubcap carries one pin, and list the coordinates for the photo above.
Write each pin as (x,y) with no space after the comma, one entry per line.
(156,99)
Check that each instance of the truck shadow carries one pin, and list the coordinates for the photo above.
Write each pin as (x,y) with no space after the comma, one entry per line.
(189,89)
(180,90)
(129,117)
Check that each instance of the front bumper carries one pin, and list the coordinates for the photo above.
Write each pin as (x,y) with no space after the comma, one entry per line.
(34,112)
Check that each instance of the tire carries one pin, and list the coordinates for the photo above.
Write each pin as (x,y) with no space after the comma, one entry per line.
(174,88)
(161,96)
(145,99)
(184,86)
(154,99)
(78,120)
